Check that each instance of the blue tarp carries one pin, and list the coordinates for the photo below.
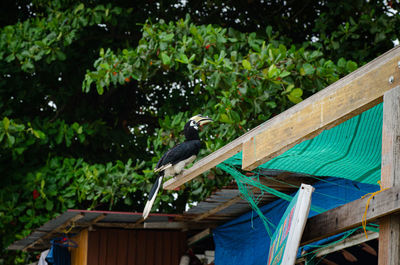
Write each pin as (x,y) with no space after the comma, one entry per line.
(245,240)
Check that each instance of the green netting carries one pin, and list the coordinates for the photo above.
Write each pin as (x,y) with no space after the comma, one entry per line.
(351,150)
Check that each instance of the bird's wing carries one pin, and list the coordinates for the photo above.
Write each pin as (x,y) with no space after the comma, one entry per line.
(178,153)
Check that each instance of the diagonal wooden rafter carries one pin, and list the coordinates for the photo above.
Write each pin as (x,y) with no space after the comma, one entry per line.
(199,236)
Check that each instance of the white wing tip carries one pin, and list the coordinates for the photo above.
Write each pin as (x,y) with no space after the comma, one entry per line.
(146,210)
(162,167)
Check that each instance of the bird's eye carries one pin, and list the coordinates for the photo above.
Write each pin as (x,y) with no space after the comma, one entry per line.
(194,125)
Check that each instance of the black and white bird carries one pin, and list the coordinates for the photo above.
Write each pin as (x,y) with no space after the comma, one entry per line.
(175,159)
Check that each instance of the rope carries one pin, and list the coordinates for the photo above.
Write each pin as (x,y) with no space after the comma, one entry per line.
(364,218)
(248,195)
(66,231)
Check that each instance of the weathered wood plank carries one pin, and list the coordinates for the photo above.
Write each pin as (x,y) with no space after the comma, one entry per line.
(351,95)
(350,215)
(389,229)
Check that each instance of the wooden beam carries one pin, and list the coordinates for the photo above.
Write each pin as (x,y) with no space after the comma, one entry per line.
(350,215)
(79,254)
(165,225)
(98,218)
(197,237)
(389,229)
(369,83)
(346,98)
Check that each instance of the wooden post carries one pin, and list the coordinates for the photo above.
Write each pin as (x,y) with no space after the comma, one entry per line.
(79,254)
(389,226)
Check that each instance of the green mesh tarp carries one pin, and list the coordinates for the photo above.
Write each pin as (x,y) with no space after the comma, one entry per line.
(351,150)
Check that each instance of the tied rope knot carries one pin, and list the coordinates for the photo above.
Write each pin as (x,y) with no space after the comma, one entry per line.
(372,194)
(67,230)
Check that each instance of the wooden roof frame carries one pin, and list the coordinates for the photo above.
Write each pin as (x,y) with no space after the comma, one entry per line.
(357,92)
(344,99)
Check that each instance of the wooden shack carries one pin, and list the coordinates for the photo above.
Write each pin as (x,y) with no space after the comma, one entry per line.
(105,237)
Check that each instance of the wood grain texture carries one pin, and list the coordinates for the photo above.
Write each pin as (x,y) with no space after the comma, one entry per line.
(389,226)
(350,215)
(348,97)
(79,255)
(93,248)
(132,246)
(122,246)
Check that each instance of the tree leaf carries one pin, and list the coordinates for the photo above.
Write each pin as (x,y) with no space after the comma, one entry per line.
(165,58)
(297,92)
(246,64)
(308,69)
(49,205)
(6,123)
(224,118)
(351,66)
(10,139)
(79,8)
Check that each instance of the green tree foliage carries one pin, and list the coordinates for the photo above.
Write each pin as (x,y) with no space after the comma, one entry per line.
(93,93)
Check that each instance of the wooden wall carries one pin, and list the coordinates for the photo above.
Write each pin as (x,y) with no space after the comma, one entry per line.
(135,247)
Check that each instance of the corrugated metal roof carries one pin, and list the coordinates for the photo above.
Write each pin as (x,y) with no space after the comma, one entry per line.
(39,239)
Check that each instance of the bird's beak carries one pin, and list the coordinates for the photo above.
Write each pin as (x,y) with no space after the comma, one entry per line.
(204,121)
(201,120)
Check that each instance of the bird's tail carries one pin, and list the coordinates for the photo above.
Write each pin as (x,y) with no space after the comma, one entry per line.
(152,196)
